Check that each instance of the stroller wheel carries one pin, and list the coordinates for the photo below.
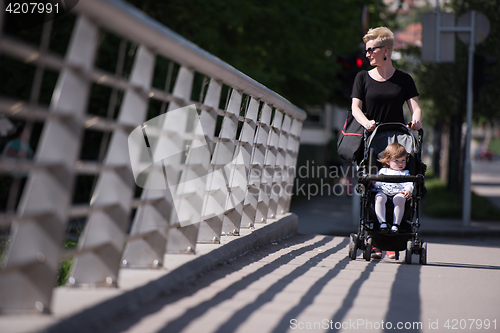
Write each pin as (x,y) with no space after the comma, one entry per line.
(353,246)
(409,252)
(423,254)
(368,250)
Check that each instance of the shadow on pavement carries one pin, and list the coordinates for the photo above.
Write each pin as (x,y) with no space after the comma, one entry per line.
(308,298)
(405,302)
(349,299)
(191,314)
(267,296)
(178,324)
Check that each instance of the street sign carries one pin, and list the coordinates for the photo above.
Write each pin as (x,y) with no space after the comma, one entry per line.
(438,45)
(481,27)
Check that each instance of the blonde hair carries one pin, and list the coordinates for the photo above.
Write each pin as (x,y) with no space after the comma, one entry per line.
(382,35)
(392,151)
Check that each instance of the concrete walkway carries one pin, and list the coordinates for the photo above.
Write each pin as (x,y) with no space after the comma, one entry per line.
(81,310)
(308,284)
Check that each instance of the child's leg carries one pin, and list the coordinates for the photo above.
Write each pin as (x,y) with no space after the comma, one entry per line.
(399,201)
(380,200)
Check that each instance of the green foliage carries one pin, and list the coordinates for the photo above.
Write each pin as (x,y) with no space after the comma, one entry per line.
(15,75)
(490,47)
(443,86)
(4,243)
(443,203)
(64,268)
(495,145)
(65,265)
(439,201)
(289,46)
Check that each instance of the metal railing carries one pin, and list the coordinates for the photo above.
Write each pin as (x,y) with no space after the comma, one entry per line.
(252,150)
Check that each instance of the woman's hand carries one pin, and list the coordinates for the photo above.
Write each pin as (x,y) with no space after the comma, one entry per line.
(370,125)
(416,113)
(356,107)
(415,125)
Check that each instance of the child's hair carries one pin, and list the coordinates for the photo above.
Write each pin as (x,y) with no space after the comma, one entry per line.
(392,151)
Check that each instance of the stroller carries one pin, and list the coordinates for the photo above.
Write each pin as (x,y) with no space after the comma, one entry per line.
(369,235)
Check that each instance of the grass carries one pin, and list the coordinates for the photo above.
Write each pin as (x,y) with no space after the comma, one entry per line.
(3,250)
(495,145)
(65,265)
(441,202)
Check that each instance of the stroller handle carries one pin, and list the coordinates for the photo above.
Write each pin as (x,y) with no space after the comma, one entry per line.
(393,179)
(420,130)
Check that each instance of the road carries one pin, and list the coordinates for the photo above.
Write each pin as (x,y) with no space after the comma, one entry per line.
(307,283)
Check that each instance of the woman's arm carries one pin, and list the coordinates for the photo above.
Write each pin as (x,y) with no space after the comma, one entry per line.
(360,117)
(416,113)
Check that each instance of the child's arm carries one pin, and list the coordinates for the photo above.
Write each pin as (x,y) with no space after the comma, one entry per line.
(409,185)
(407,194)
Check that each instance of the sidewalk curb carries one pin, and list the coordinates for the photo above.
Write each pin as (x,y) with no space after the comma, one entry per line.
(98,317)
(461,233)
(437,233)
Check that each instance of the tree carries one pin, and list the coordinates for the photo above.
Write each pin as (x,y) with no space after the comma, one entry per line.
(289,46)
(443,88)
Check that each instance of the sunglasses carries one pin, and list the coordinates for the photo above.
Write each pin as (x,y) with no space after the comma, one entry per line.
(371,49)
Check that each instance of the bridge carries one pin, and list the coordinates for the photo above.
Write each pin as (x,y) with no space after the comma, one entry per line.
(188,176)
(203,160)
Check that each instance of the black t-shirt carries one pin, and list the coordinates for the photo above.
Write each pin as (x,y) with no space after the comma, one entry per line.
(383,101)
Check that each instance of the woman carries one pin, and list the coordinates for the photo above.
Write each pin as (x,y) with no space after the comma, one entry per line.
(378,95)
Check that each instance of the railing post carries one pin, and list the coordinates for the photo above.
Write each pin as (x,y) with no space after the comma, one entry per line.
(179,240)
(108,223)
(271,165)
(280,179)
(268,167)
(248,152)
(211,213)
(238,176)
(259,163)
(33,257)
(291,162)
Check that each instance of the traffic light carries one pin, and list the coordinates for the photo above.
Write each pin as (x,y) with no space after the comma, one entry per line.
(351,64)
(482,73)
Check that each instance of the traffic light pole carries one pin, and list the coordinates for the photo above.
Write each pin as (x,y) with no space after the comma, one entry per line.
(466,197)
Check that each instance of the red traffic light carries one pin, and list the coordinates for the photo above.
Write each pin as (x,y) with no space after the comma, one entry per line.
(359,62)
